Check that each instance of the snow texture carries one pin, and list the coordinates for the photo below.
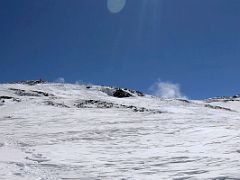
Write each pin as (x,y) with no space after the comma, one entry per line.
(62,131)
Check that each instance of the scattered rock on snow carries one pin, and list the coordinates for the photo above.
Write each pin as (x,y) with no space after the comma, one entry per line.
(224,99)
(184,100)
(107,105)
(21,92)
(93,103)
(50,103)
(31,82)
(217,107)
(42,93)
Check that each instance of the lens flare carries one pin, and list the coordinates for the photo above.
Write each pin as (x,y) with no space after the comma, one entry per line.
(115,6)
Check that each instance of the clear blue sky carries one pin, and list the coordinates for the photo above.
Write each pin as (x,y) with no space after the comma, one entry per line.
(195,43)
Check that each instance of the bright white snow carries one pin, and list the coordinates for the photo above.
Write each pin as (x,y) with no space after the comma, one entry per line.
(49,137)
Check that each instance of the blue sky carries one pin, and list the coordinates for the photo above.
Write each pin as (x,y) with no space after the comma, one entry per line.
(193,43)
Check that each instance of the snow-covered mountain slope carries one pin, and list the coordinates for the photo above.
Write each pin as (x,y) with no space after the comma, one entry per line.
(65,131)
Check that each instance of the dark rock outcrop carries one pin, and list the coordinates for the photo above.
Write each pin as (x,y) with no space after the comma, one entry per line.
(3,98)
(120,93)
(6,97)
(138,93)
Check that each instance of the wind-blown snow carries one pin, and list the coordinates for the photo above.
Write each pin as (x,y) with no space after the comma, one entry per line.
(46,134)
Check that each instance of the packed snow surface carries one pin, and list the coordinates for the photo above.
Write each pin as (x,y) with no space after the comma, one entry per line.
(64,131)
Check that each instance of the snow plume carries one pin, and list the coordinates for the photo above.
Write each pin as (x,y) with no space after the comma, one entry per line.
(167,90)
(60,80)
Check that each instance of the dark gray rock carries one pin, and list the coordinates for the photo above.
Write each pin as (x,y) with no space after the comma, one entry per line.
(120,93)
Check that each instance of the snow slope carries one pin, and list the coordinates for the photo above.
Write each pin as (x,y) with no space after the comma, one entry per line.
(65,131)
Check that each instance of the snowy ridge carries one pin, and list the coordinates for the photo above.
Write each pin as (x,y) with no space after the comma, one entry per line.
(67,131)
